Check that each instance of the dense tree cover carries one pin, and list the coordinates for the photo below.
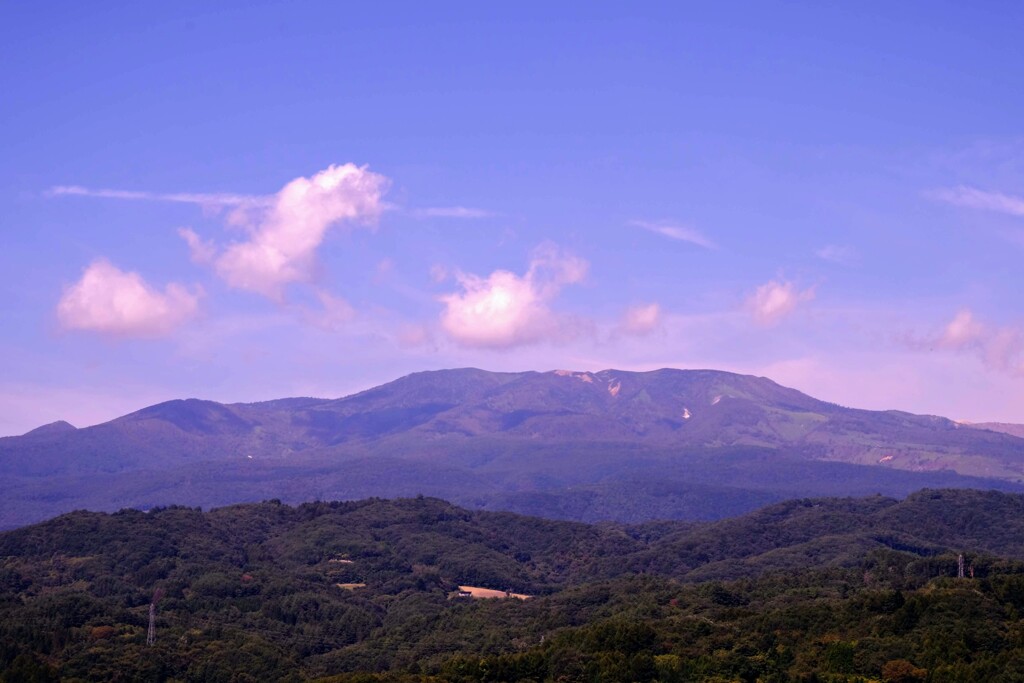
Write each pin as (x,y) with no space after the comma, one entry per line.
(823,590)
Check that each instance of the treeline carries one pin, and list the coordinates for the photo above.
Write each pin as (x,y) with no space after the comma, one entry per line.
(829,590)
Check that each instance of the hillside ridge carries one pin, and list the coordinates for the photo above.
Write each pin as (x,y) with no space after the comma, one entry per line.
(418,587)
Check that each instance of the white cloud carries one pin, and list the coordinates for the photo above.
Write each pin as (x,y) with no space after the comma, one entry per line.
(285,235)
(972,197)
(677,232)
(111,301)
(505,309)
(775,300)
(641,320)
(284,229)
(452,212)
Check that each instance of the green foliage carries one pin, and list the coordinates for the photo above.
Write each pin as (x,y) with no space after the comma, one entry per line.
(825,590)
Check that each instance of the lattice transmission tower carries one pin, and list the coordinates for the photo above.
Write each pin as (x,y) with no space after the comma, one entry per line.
(151,633)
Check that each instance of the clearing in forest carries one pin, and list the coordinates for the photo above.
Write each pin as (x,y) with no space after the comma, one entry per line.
(477,593)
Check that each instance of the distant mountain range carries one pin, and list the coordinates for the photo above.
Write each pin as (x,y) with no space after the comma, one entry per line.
(1004,427)
(684,444)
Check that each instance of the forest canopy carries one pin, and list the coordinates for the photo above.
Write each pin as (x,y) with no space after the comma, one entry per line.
(827,589)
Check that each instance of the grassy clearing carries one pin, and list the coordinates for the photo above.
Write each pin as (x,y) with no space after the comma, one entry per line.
(478,593)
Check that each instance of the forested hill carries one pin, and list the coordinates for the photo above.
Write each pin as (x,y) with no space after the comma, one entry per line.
(844,587)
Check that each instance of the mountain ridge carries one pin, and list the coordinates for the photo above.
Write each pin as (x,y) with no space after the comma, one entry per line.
(1004,427)
(507,438)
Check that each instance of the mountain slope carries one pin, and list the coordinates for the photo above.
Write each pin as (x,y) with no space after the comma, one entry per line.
(1003,427)
(700,444)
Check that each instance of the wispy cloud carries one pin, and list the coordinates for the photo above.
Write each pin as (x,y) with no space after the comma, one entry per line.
(677,232)
(201,251)
(452,212)
(972,197)
(1000,348)
(334,313)
(217,199)
(837,253)
(640,320)
(200,198)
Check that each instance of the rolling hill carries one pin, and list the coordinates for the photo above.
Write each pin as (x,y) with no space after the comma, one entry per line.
(369,591)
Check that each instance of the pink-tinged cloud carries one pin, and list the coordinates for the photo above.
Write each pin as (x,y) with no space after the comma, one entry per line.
(974,198)
(775,300)
(333,314)
(111,301)
(680,233)
(202,252)
(1004,349)
(1000,348)
(505,309)
(284,238)
(410,336)
(962,331)
(438,273)
(641,320)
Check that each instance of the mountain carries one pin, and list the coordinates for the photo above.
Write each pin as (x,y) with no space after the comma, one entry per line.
(844,587)
(52,429)
(694,444)
(1003,427)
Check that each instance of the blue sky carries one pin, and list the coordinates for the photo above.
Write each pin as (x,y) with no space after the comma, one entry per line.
(243,201)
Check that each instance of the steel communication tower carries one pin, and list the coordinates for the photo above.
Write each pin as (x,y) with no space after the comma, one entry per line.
(151,633)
